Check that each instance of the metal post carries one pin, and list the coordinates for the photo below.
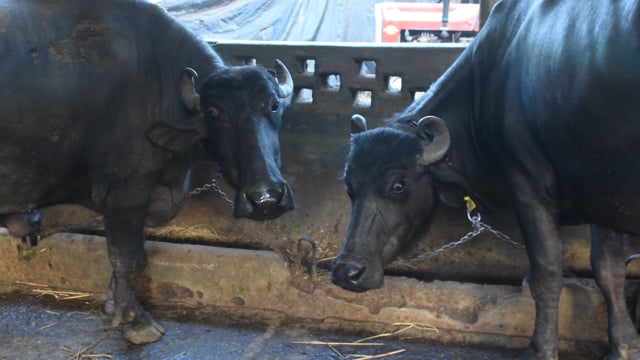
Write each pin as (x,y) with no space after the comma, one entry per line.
(444,34)
(445,14)
(485,9)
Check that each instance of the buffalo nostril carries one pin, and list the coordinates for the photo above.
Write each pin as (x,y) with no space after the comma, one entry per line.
(35,219)
(264,202)
(265,197)
(354,273)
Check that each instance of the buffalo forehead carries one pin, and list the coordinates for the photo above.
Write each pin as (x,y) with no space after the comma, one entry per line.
(374,150)
(240,78)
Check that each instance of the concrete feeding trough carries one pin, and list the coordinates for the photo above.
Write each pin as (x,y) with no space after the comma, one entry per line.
(263,283)
(471,294)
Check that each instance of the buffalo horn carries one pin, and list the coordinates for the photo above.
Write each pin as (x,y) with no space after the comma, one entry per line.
(358,124)
(436,149)
(284,79)
(188,93)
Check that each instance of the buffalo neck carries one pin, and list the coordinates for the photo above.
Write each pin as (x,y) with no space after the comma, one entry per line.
(173,48)
(455,98)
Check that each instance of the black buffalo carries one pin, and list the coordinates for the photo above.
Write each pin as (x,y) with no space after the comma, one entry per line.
(540,113)
(100,105)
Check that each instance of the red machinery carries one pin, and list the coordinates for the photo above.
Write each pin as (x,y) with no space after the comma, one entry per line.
(412,22)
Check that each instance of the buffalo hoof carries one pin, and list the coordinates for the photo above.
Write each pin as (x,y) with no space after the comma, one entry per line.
(623,353)
(110,304)
(143,331)
(531,355)
(109,307)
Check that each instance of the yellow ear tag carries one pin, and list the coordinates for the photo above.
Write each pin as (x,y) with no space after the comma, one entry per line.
(470,204)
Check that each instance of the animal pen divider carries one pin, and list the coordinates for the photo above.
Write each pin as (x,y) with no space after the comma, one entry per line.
(472,293)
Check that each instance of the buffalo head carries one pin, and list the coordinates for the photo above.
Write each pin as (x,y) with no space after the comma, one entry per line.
(389,178)
(240,109)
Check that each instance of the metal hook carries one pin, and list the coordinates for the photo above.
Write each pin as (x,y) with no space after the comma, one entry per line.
(473,219)
(314,259)
(631,258)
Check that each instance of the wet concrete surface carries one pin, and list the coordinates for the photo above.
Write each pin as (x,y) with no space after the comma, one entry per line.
(41,328)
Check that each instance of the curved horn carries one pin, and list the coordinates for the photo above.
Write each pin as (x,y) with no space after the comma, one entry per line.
(188,94)
(436,149)
(284,79)
(358,124)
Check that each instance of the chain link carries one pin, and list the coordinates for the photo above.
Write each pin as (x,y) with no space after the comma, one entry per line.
(213,186)
(478,228)
(96,221)
(501,236)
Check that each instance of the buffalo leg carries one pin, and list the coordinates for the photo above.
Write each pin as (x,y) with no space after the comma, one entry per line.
(544,249)
(125,242)
(608,251)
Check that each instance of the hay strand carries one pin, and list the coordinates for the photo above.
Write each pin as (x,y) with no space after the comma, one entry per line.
(327,259)
(81,354)
(378,356)
(53,323)
(41,290)
(367,342)
(407,326)
(333,343)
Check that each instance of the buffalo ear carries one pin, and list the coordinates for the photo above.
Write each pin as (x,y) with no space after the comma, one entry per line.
(452,188)
(173,138)
(451,195)
(188,94)
(358,124)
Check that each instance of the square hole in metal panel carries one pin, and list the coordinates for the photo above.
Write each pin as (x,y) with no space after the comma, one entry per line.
(332,82)
(362,98)
(305,96)
(368,68)
(309,66)
(247,61)
(394,84)
(418,94)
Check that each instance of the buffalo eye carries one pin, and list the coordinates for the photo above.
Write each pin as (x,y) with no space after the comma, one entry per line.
(275,106)
(213,113)
(349,190)
(398,187)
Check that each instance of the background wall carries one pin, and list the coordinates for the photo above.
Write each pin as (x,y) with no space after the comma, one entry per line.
(314,139)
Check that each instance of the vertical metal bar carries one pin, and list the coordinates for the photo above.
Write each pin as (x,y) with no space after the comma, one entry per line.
(445,14)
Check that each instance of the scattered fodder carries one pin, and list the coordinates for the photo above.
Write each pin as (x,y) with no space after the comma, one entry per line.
(200,232)
(82,353)
(41,290)
(366,342)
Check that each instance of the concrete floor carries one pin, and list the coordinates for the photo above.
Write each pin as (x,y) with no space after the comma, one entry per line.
(38,328)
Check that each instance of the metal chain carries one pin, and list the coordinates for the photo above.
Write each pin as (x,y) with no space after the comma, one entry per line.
(478,228)
(213,186)
(501,236)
